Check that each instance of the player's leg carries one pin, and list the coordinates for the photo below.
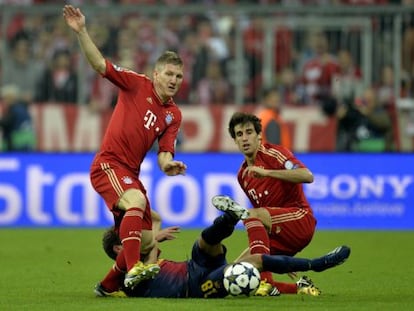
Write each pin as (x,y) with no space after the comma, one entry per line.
(124,196)
(291,229)
(127,202)
(258,227)
(104,181)
(114,280)
(284,264)
(133,203)
(137,209)
(221,228)
(208,258)
(257,222)
(112,283)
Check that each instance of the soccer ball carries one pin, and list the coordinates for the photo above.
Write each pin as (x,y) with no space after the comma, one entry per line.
(241,278)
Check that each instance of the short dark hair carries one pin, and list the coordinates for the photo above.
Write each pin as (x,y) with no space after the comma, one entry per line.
(110,238)
(169,57)
(243,118)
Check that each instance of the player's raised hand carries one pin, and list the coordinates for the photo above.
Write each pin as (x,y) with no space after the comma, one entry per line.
(74,18)
(167,233)
(173,168)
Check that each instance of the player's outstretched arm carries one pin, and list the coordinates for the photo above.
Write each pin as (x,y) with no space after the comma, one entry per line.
(299,175)
(76,21)
(165,234)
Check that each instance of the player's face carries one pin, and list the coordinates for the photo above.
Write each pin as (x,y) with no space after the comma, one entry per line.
(247,139)
(168,80)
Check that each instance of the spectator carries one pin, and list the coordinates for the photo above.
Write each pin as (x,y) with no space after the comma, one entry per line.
(385,89)
(274,128)
(374,132)
(210,47)
(16,121)
(364,125)
(59,81)
(318,71)
(347,80)
(213,88)
(20,69)
(287,85)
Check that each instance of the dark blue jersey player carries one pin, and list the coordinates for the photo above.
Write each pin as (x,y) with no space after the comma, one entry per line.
(202,275)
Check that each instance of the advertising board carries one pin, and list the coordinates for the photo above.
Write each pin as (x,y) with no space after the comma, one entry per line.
(350,191)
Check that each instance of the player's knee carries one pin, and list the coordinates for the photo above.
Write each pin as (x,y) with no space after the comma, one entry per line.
(259,213)
(132,198)
(262,214)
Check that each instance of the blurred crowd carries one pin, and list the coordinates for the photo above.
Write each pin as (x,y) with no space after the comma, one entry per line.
(316,66)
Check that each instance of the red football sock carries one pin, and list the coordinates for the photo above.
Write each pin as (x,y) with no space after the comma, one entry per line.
(258,242)
(113,280)
(130,235)
(258,237)
(285,288)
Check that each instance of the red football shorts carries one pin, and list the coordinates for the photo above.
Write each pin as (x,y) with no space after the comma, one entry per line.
(111,181)
(292,229)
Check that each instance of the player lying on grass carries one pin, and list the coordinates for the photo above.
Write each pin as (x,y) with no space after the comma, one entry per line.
(202,275)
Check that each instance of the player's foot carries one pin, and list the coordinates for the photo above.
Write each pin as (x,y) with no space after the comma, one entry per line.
(226,204)
(100,291)
(140,272)
(267,289)
(307,287)
(334,258)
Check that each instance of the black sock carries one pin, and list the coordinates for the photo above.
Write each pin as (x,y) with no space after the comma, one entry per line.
(285,264)
(222,227)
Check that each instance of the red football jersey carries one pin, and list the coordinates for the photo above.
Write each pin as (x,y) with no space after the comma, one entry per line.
(272,192)
(138,119)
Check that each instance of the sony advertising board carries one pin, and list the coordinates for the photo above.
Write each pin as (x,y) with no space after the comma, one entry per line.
(350,191)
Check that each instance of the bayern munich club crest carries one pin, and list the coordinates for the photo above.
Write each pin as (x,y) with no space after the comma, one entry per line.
(127,180)
(169,117)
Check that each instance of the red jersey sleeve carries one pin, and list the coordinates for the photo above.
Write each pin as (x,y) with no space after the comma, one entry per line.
(123,78)
(167,141)
(285,159)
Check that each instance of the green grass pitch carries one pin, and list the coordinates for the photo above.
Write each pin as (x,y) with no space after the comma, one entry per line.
(56,269)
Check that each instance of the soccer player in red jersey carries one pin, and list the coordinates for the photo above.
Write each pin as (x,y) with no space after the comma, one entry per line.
(281,221)
(145,112)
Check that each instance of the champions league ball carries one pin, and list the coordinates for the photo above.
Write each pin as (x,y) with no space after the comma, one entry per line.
(241,278)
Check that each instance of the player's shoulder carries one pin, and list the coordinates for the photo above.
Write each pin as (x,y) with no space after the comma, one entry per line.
(266,147)
(128,71)
(275,151)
